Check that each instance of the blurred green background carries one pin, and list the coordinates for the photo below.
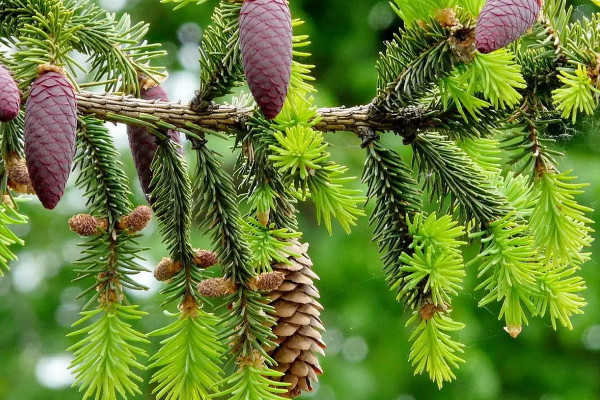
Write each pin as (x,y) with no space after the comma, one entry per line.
(367,341)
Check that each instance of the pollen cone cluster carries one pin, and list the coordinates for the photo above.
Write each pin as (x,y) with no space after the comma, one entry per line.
(298,326)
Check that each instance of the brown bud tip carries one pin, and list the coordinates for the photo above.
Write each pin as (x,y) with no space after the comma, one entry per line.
(427,311)
(217,287)
(513,330)
(137,220)
(87,225)
(166,269)
(268,281)
(43,68)
(446,17)
(205,258)
(18,176)
(263,218)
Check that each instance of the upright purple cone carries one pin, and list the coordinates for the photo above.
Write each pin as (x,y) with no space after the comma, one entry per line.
(266,46)
(10,97)
(50,130)
(501,22)
(143,143)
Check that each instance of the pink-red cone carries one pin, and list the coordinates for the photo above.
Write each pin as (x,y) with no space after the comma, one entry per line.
(501,22)
(10,97)
(143,143)
(50,130)
(266,46)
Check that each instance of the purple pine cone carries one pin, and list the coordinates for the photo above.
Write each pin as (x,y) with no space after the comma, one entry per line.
(143,143)
(50,130)
(266,45)
(501,22)
(10,97)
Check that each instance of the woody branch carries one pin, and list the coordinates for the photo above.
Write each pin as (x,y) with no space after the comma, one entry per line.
(358,119)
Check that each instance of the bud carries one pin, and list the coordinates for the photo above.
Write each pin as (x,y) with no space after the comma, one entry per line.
(137,220)
(205,258)
(217,287)
(267,282)
(87,225)
(513,330)
(18,175)
(167,269)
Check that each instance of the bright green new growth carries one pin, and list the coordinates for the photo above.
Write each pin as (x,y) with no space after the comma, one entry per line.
(186,367)
(8,216)
(268,245)
(105,356)
(436,263)
(433,350)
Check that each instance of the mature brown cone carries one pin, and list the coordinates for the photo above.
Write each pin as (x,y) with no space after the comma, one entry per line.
(298,326)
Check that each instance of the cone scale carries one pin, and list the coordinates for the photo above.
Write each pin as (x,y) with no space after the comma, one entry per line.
(50,130)
(501,22)
(266,47)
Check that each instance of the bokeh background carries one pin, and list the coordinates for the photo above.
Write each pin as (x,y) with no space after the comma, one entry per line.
(367,341)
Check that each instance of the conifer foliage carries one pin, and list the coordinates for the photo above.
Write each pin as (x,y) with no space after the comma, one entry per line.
(458,83)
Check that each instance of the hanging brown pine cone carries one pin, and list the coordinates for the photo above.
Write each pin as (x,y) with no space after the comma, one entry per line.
(298,326)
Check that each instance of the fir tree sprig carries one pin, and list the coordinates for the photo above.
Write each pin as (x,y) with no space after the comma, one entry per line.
(45,31)
(101,176)
(558,223)
(435,267)
(104,358)
(254,382)
(171,199)
(8,216)
(217,212)
(392,187)
(220,58)
(450,172)
(510,264)
(433,350)
(187,363)
(559,294)
(267,244)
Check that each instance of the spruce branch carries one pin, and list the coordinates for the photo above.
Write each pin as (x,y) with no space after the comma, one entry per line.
(124,109)
(392,187)
(101,174)
(510,264)
(187,364)
(558,223)
(104,358)
(456,175)
(216,210)
(433,349)
(8,216)
(220,59)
